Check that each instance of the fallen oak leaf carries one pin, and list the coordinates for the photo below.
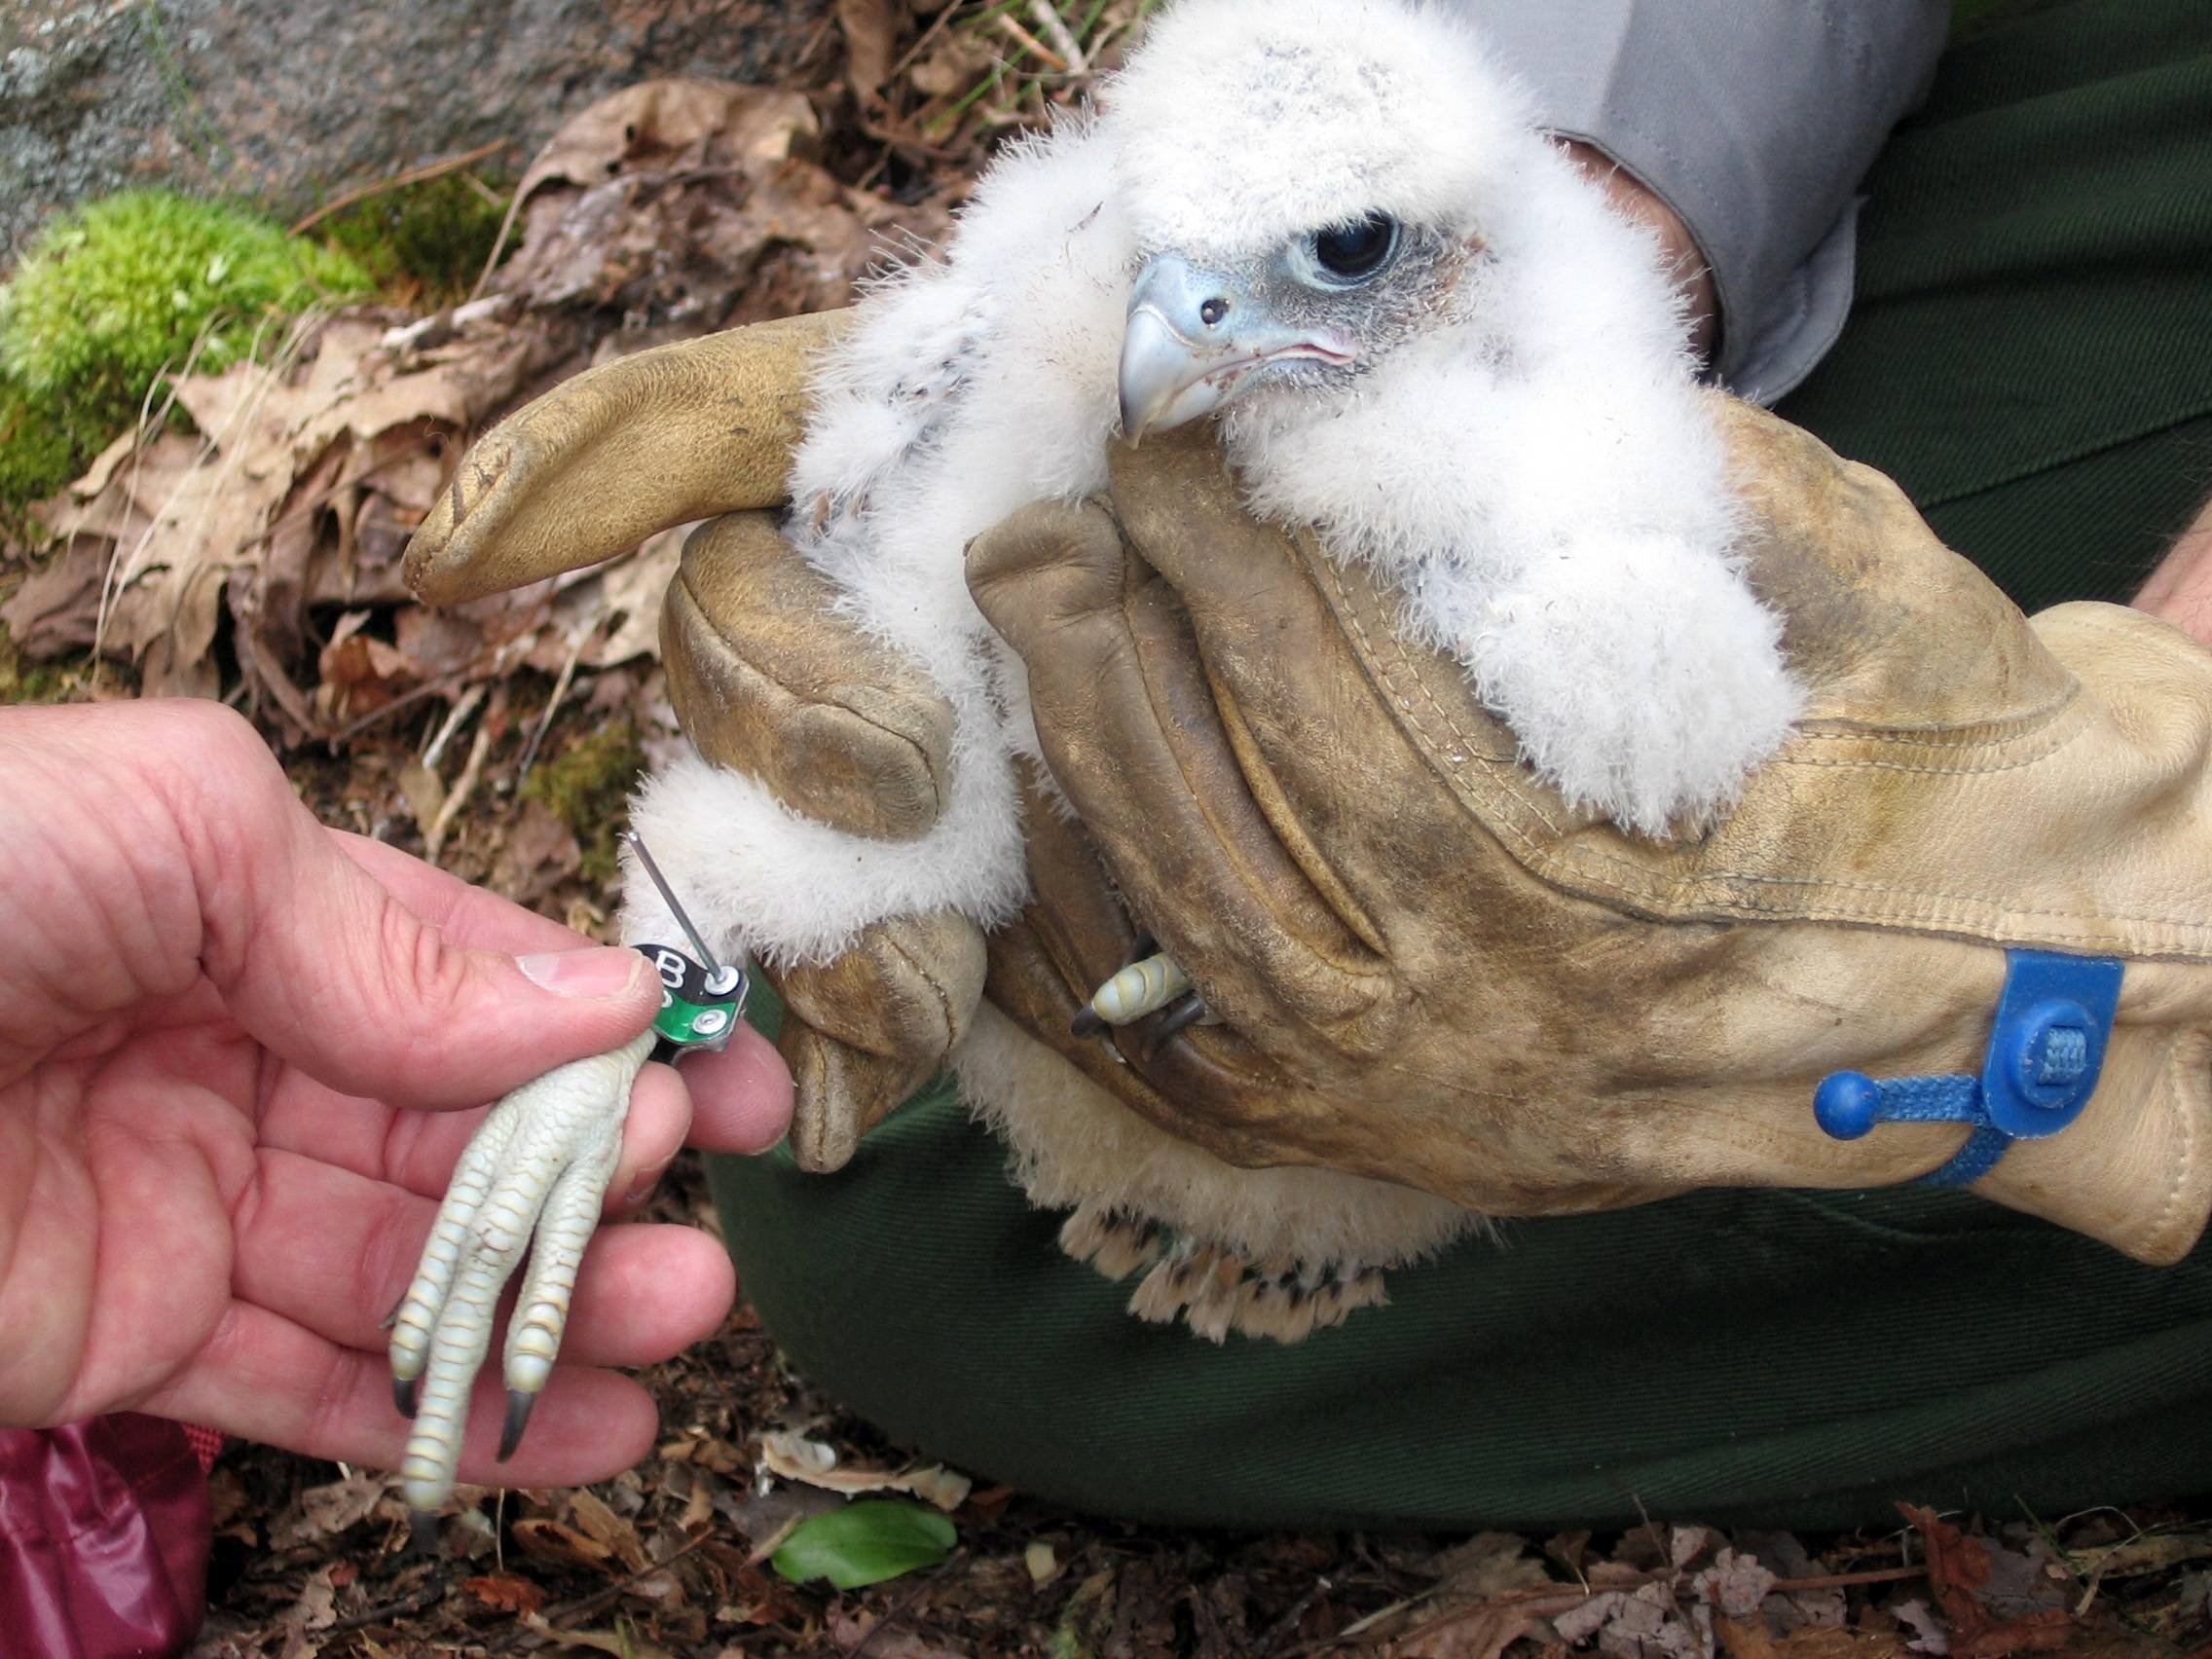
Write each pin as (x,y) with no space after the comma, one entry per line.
(1958,1566)
(505,1592)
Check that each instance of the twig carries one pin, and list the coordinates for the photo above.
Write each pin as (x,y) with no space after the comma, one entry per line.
(567,675)
(598,1598)
(921,45)
(384,711)
(1282,1627)
(1842,1580)
(498,242)
(1056,31)
(1028,42)
(427,1597)
(462,788)
(464,706)
(1548,1600)
(400,181)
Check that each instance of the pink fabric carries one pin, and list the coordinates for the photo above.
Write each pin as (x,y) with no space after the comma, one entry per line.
(104,1535)
(206,1445)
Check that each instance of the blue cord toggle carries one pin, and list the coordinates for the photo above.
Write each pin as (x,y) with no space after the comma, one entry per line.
(2046,1051)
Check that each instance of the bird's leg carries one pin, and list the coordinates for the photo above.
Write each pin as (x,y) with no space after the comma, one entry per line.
(534,1176)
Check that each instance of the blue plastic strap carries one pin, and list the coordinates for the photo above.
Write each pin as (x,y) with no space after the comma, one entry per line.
(2046,1047)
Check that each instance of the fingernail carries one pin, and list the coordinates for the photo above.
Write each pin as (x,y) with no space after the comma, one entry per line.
(596,974)
(643,1186)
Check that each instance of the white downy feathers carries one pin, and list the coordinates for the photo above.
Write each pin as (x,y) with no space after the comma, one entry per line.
(1517,447)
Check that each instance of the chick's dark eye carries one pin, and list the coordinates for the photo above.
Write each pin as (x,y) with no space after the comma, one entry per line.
(1351,252)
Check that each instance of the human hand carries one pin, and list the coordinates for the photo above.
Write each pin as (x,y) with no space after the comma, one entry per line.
(1683,259)
(233,1046)
(1428,969)
(769,679)
(2180,589)
(772,680)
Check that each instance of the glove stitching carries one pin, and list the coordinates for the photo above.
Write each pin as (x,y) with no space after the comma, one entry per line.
(1980,733)
(2035,758)
(1589,864)
(2184,1166)
(952,1022)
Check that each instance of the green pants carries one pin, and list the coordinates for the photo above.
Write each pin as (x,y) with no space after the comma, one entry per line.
(2031,356)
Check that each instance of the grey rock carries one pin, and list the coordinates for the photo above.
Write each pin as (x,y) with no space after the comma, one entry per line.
(288,102)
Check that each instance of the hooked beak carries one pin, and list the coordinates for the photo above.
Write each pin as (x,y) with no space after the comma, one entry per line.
(1191,341)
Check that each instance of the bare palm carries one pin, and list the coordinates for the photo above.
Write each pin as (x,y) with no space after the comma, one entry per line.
(214,1021)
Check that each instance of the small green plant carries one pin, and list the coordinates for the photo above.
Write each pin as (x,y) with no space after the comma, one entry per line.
(113,294)
(587,785)
(866,1543)
(423,244)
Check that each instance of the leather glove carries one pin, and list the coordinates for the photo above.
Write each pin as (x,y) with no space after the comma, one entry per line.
(764,678)
(1429,971)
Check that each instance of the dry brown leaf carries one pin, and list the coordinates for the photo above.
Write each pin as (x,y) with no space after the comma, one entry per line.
(590,1513)
(317,1606)
(814,1462)
(321,1512)
(950,67)
(1744,1640)
(628,594)
(424,791)
(552,1540)
(698,1447)
(671,122)
(676,197)
(1735,1584)
(1841,1644)
(1751,1642)
(1958,1566)
(359,674)
(871,28)
(624,1643)
(892,1642)
(329,437)
(506,1592)
(57,610)
(1487,1564)
(540,853)
(2150,1551)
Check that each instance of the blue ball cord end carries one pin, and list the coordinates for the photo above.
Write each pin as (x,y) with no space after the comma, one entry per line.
(1847,1104)
(2047,1046)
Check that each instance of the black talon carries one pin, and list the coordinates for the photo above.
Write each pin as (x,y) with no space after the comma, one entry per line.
(423,1533)
(406,1395)
(519,1402)
(1185,1011)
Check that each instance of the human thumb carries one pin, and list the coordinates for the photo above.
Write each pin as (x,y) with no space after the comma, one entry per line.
(348,975)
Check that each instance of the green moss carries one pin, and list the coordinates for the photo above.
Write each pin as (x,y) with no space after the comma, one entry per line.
(40,441)
(587,785)
(112,294)
(24,681)
(423,244)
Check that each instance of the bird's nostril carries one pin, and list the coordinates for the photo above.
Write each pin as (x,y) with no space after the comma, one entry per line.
(1213,311)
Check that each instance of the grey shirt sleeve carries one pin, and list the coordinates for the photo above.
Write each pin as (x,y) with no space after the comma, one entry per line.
(1753,119)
